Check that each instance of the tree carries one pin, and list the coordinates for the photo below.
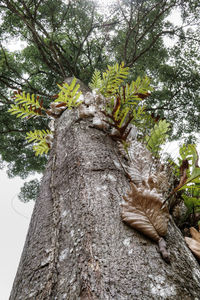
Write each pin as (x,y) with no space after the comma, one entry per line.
(84,159)
(73,38)
(77,246)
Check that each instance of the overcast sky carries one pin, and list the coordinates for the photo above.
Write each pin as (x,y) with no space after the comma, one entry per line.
(14,221)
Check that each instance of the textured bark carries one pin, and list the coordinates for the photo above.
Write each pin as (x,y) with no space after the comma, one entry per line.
(78,247)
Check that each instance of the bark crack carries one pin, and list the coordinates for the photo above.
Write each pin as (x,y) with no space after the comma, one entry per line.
(52,275)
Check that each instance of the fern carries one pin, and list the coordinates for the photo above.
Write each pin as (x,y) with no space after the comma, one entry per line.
(27,105)
(136,91)
(157,136)
(110,81)
(112,78)
(69,94)
(142,120)
(192,199)
(122,100)
(190,154)
(96,82)
(39,138)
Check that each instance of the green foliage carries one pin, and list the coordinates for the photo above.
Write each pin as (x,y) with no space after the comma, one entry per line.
(69,94)
(111,79)
(157,136)
(189,172)
(123,99)
(26,106)
(133,91)
(192,198)
(190,154)
(39,138)
(96,81)
(29,106)
(29,191)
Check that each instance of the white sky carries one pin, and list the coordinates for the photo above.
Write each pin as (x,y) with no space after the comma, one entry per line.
(13,230)
(15,215)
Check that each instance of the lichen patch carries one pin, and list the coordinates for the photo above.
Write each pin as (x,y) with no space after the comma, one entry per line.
(160,287)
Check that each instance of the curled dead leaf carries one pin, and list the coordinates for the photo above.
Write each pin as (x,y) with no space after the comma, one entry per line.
(143,211)
(195,234)
(194,242)
(193,245)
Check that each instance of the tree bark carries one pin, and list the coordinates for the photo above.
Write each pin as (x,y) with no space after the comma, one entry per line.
(77,246)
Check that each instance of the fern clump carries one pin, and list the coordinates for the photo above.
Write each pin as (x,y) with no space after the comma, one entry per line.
(188,170)
(69,95)
(122,99)
(28,106)
(108,84)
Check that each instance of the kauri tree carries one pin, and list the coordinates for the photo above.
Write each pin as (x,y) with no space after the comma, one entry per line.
(104,172)
(77,246)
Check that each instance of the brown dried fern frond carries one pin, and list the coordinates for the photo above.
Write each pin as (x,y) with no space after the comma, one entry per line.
(194,242)
(140,162)
(143,211)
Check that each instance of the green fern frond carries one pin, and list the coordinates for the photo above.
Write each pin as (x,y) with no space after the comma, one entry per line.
(41,148)
(123,100)
(24,111)
(39,138)
(192,203)
(96,82)
(26,106)
(190,184)
(189,152)
(157,136)
(28,99)
(136,90)
(69,94)
(123,115)
(139,112)
(142,120)
(112,78)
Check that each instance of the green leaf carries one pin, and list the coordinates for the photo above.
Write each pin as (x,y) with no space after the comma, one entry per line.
(195,178)
(192,203)
(26,106)
(69,94)
(96,82)
(112,78)
(189,153)
(39,138)
(157,136)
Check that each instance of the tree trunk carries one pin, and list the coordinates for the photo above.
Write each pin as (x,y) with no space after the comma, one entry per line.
(78,247)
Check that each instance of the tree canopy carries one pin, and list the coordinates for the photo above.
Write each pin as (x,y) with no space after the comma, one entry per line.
(73,38)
